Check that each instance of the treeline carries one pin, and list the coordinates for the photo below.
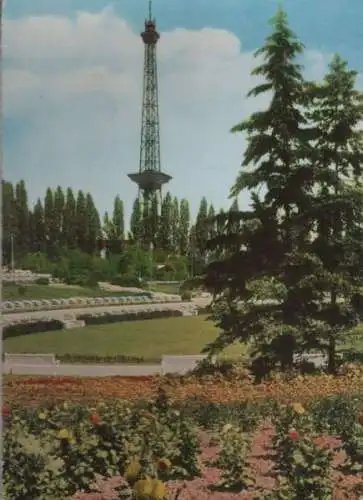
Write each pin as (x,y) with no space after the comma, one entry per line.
(68,221)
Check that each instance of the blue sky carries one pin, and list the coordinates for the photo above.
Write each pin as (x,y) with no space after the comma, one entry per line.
(72,87)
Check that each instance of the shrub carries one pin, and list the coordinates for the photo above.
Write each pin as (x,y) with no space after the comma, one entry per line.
(91,359)
(32,327)
(42,281)
(233,459)
(29,468)
(128,280)
(136,316)
(302,461)
(186,295)
(353,445)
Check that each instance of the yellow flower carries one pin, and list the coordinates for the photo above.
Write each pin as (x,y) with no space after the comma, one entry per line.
(63,434)
(143,489)
(159,490)
(298,408)
(164,464)
(42,416)
(227,428)
(132,471)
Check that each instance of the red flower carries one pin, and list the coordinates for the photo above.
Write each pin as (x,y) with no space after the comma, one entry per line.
(95,419)
(321,442)
(6,410)
(360,418)
(294,435)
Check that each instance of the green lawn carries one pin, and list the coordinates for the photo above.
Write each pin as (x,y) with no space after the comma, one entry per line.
(38,292)
(149,339)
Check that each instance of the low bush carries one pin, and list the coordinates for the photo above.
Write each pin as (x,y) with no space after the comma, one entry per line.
(186,295)
(129,280)
(32,327)
(136,316)
(93,359)
(42,281)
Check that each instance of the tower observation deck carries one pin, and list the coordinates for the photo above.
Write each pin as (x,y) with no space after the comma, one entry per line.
(150,178)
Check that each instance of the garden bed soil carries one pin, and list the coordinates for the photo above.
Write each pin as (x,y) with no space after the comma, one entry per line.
(261,464)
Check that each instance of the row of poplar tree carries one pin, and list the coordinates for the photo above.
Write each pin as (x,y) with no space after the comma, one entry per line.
(65,220)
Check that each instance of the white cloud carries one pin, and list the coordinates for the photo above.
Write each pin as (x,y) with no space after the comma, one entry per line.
(77,85)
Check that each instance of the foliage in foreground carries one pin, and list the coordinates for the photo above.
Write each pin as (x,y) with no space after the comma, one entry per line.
(53,452)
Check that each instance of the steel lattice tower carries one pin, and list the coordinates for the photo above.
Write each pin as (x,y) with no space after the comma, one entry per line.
(150,178)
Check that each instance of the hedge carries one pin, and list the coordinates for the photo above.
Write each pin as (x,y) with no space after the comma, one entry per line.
(95,359)
(32,327)
(42,281)
(136,316)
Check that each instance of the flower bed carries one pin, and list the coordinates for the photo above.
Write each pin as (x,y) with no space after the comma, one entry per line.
(217,452)
(212,389)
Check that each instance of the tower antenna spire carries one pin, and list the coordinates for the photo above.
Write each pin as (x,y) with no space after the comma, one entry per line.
(150,178)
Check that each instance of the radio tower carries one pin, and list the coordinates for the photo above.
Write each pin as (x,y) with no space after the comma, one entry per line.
(150,178)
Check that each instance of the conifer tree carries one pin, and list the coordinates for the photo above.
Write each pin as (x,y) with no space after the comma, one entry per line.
(269,245)
(337,210)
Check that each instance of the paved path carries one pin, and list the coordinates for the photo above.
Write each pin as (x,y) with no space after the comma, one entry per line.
(72,313)
(85,370)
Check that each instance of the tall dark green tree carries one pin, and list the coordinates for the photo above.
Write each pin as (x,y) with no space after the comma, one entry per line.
(22,237)
(93,226)
(118,218)
(39,241)
(211,223)
(175,225)
(270,246)
(81,226)
(136,222)
(337,112)
(49,222)
(165,236)
(9,219)
(154,220)
(59,205)
(184,226)
(202,227)
(147,237)
(69,220)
